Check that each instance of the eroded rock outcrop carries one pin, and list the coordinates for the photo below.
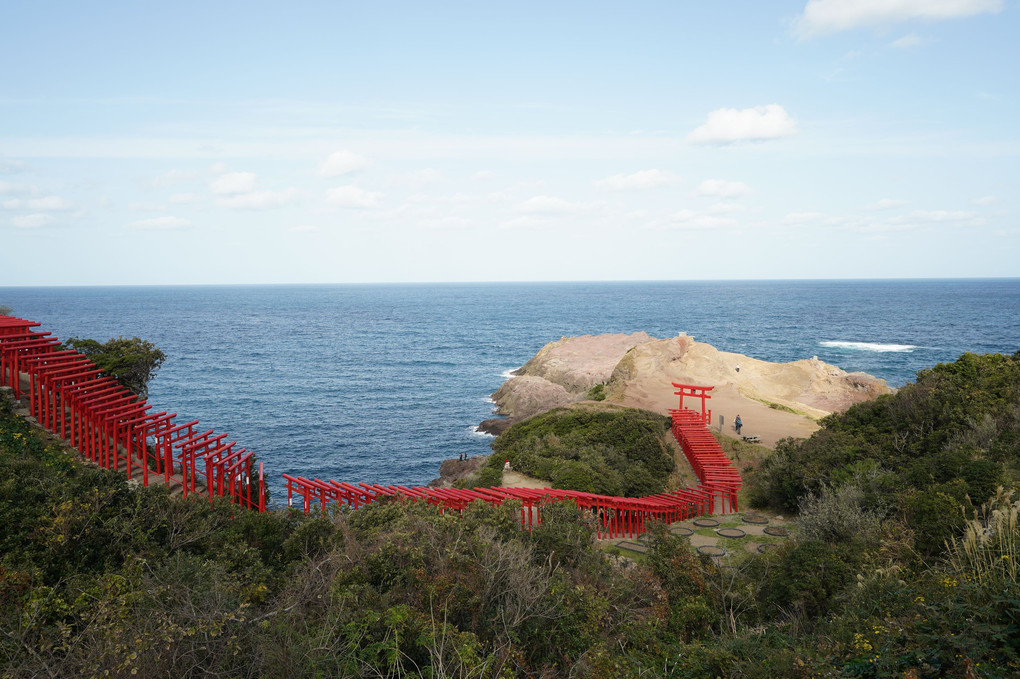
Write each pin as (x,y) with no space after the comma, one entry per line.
(563,372)
(780,399)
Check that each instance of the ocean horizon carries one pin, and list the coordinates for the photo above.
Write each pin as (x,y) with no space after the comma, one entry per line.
(381,382)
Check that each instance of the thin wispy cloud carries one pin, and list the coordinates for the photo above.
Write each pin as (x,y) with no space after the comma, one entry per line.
(10,188)
(638,181)
(172,178)
(233,182)
(353,197)
(885,204)
(821,17)
(721,188)
(261,200)
(550,205)
(909,41)
(33,221)
(48,203)
(8,166)
(159,223)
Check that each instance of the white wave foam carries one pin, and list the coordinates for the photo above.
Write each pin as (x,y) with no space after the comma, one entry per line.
(870,346)
(508,373)
(482,434)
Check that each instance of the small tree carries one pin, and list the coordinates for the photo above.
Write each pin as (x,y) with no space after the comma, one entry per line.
(5,310)
(132,362)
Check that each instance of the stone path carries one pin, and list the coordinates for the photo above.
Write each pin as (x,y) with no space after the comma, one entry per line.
(752,534)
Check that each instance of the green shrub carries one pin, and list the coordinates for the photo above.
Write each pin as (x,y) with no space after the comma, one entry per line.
(808,575)
(607,450)
(935,517)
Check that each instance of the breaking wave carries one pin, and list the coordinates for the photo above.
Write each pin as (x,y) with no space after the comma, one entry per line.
(871,346)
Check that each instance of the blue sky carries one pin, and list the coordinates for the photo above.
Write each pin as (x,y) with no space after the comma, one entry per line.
(264,142)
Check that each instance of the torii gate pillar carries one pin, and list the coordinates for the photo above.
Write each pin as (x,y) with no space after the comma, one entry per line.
(695,392)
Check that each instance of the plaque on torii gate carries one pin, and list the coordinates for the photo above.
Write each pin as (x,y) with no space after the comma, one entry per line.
(695,392)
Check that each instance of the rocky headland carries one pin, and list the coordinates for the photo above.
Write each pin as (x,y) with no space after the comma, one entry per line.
(774,400)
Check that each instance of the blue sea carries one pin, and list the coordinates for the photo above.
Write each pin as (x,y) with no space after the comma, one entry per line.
(382,382)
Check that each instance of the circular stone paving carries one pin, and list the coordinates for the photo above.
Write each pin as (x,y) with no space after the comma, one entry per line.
(764,548)
(683,531)
(706,523)
(711,550)
(730,533)
(776,531)
(756,519)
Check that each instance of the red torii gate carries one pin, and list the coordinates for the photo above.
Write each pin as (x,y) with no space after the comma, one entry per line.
(695,392)
(30,344)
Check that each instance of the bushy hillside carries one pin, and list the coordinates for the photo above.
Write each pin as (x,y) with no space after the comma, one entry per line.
(928,454)
(101,579)
(597,449)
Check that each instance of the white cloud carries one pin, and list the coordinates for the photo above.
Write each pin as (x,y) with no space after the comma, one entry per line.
(526,223)
(351,196)
(690,219)
(455,199)
(234,182)
(160,223)
(723,188)
(885,204)
(795,218)
(260,200)
(8,166)
(418,179)
(49,203)
(14,189)
(908,41)
(725,208)
(183,198)
(644,179)
(341,162)
(821,17)
(984,201)
(33,221)
(143,206)
(448,223)
(729,125)
(172,178)
(484,175)
(549,205)
(940,216)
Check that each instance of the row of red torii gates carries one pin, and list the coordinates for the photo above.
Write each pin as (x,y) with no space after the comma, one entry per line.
(111,426)
(615,516)
(71,397)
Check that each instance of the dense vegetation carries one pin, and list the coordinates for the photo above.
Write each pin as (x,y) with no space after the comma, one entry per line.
(927,455)
(597,449)
(132,362)
(101,579)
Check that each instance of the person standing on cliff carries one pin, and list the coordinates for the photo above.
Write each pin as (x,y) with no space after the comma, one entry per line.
(737,424)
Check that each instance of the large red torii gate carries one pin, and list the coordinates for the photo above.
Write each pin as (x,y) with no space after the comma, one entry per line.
(695,392)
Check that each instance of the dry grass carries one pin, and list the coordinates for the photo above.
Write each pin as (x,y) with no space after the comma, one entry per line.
(990,546)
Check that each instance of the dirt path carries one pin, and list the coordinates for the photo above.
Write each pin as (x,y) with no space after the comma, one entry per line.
(513,479)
